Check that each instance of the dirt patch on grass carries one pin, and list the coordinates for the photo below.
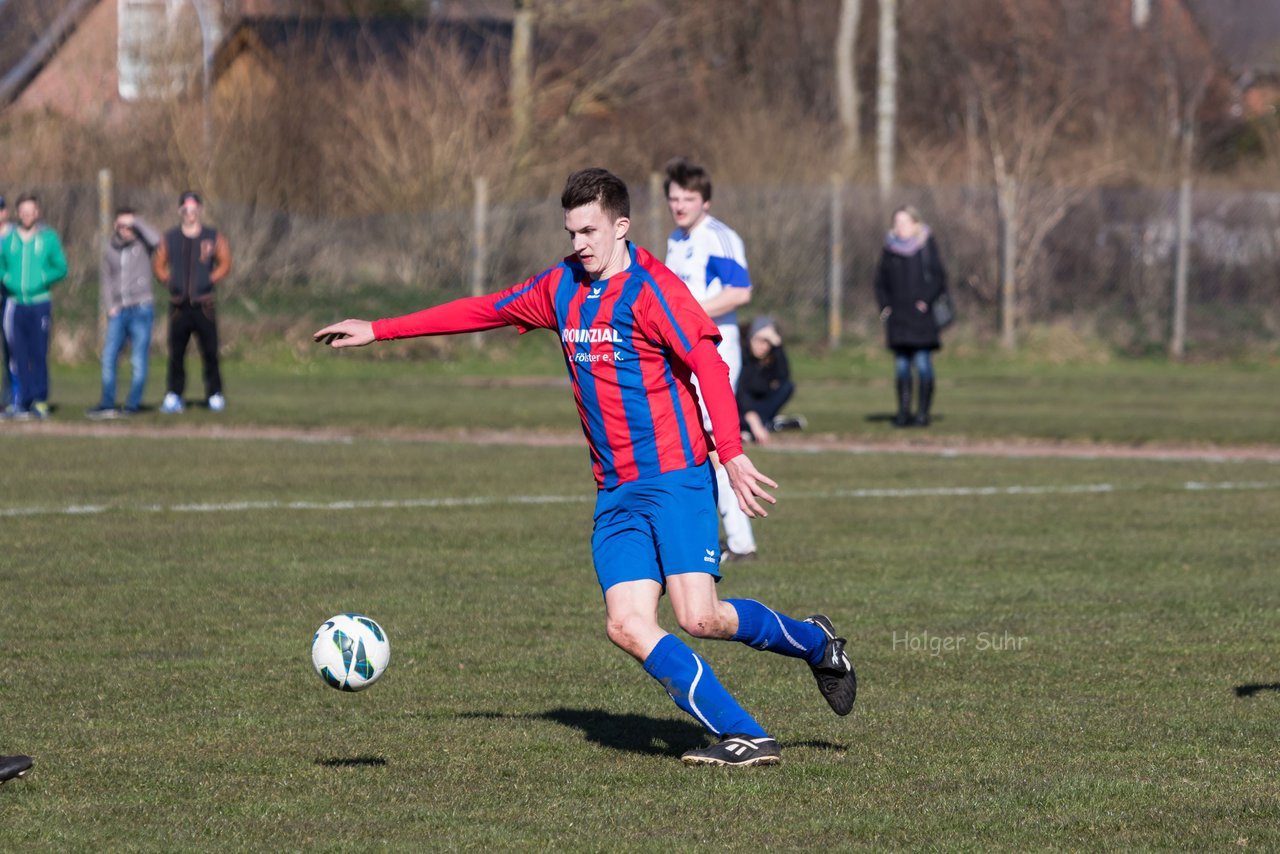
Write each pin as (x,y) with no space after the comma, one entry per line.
(795,443)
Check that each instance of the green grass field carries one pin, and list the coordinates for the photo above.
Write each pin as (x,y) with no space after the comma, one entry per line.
(1049,650)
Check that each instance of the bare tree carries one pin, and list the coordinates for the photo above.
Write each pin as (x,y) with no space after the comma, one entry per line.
(1031,200)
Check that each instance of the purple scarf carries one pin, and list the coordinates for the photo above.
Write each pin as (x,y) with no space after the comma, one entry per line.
(907,248)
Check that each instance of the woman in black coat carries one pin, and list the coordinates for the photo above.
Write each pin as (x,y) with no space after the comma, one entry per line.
(910,278)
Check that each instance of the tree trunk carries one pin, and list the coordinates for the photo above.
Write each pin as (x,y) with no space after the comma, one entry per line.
(847,82)
(1141,13)
(887,96)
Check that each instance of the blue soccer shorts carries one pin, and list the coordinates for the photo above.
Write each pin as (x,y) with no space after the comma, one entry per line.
(657,526)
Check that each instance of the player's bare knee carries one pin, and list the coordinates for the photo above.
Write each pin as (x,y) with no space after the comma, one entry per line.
(702,623)
(616,632)
(624,631)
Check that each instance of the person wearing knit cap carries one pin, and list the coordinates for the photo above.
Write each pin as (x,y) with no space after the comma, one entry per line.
(765,385)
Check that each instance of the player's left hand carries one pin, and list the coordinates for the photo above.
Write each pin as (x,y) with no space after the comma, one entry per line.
(348,333)
(746,482)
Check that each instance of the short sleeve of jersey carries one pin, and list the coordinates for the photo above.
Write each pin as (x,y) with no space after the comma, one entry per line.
(531,304)
(729,271)
(672,318)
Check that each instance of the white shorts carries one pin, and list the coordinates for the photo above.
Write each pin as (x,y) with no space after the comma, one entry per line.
(730,349)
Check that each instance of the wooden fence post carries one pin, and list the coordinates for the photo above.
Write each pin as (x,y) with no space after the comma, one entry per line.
(106,221)
(479,243)
(656,205)
(835,282)
(1178,323)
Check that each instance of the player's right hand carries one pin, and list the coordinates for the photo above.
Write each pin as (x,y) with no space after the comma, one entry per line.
(348,333)
(745,480)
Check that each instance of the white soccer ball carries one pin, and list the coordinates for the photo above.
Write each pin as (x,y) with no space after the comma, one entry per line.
(350,652)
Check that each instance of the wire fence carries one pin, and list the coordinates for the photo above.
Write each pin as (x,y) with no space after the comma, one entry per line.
(1106,270)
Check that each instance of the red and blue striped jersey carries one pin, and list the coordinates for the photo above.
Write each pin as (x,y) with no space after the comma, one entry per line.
(625,342)
(632,344)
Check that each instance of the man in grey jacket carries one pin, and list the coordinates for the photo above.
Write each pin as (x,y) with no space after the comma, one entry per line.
(126,295)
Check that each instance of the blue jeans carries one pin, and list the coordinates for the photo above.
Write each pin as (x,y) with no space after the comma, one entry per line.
(27,329)
(921,359)
(132,324)
(9,378)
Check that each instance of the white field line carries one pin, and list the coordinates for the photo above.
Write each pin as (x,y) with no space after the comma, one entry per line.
(493,501)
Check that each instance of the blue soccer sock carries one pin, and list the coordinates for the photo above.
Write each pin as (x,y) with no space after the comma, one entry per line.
(764,628)
(694,687)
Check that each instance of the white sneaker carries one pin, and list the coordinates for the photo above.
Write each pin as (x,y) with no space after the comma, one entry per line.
(172,403)
(217,403)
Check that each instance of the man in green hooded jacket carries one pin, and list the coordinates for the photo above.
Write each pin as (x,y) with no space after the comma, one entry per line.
(31,263)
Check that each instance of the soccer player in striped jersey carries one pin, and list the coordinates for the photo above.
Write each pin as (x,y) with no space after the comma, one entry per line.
(633,340)
(710,259)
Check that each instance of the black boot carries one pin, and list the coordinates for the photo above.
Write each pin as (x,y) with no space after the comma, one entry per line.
(926,401)
(903,418)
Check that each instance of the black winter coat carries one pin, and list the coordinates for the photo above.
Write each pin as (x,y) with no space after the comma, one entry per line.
(900,282)
(759,379)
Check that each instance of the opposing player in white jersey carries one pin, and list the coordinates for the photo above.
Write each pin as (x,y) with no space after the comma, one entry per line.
(710,259)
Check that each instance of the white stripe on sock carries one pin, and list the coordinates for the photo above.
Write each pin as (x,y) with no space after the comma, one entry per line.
(693,687)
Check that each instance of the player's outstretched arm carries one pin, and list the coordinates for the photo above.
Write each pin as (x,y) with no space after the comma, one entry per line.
(348,333)
(469,314)
(748,484)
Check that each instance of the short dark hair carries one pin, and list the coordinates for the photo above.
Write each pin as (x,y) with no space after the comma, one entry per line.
(690,176)
(190,195)
(597,185)
(27,197)
(123,210)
